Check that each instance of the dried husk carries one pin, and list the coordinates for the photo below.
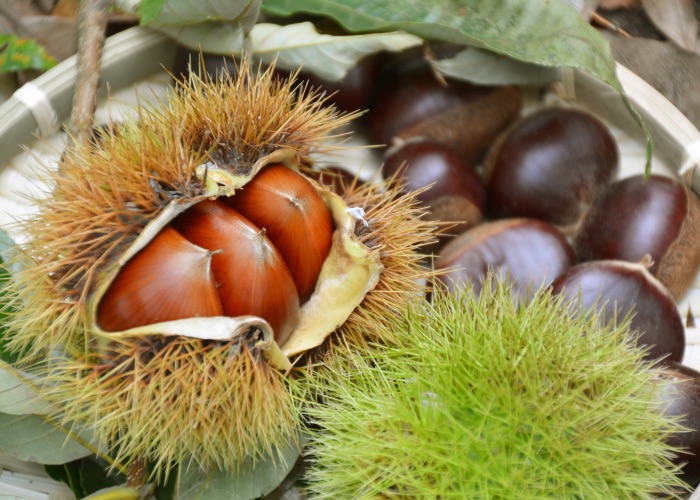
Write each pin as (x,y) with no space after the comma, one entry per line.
(208,391)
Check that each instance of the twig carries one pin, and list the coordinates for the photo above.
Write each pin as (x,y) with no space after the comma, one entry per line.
(92,26)
(601,21)
(138,473)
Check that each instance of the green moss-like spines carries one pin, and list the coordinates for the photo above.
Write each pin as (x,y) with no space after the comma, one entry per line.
(481,399)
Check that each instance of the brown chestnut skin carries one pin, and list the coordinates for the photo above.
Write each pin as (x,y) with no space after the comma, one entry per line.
(355,91)
(422,163)
(142,292)
(251,275)
(551,165)
(618,289)
(456,194)
(531,252)
(636,216)
(679,393)
(467,117)
(295,218)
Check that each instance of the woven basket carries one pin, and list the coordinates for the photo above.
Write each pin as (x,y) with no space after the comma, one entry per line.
(133,73)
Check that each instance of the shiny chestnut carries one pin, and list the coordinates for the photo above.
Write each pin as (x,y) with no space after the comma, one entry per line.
(636,216)
(259,252)
(467,117)
(678,390)
(455,192)
(619,290)
(551,165)
(529,252)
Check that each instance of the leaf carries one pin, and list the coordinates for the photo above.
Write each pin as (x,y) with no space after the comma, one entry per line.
(32,439)
(548,33)
(7,252)
(17,395)
(329,57)
(294,45)
(157,13)
(254,479)
(84,476)
(21,54)
(539,32)
(674,18)
(484,67)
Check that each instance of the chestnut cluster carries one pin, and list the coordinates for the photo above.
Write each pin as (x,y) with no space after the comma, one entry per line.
(259,253)
(535,198)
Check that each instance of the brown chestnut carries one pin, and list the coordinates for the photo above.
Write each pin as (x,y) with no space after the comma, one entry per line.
(295,217)
(141,294)
(550,165)
(531,252)
(457,193)
(251,276)
(467,117)
(679,392)
(620,289)
(635,216)
(353,92)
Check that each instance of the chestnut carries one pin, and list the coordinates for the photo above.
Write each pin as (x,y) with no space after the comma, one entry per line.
(531,252)
(467,117)
(251,275)
(169,262)
(295,218)
(635,216)
(457,193)
(619,289)
(551,165)
(679,392)
(356,90)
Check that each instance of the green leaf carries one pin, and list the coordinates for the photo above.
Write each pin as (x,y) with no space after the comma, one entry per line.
(254,479)
(294,45)
(160,13)
(487,68)
(19,54)
(540,32)
(547,33)
(85,476)
(32,439)
(18,396)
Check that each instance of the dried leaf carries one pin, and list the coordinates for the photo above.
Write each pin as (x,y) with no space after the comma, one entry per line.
(675,19)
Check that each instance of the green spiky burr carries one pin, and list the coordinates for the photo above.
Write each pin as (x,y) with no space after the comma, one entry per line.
(481,398)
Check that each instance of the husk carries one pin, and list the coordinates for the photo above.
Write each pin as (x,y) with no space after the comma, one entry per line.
(205,391)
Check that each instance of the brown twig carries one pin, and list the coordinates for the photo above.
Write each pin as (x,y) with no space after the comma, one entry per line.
(138,473)
(92,26)
(604,23)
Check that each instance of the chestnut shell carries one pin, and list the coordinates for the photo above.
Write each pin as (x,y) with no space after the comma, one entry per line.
(621,288)
(636,216)
(551,165)
(531,252)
